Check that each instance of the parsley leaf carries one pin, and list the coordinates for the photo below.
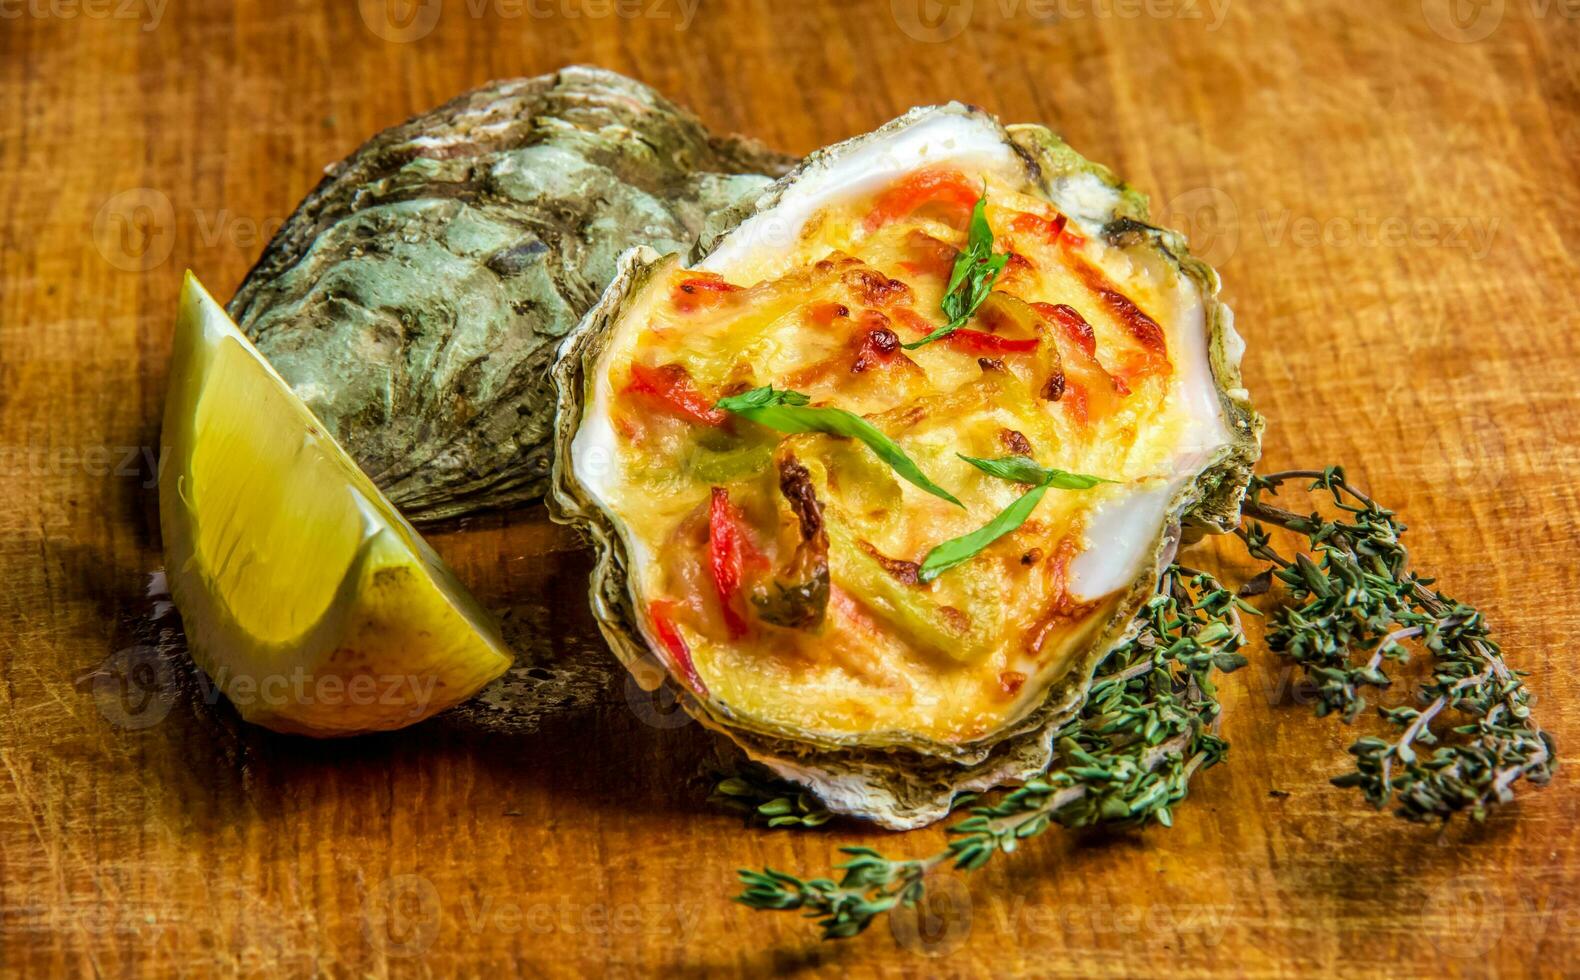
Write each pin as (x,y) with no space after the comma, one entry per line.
(971,279)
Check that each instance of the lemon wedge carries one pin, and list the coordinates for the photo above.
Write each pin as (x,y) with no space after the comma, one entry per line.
(305,595)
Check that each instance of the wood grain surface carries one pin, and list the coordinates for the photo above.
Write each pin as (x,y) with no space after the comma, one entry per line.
(1391,191)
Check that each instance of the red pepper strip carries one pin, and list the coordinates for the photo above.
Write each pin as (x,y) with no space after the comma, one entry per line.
(1143,328)
(924,187)
(729,552)
(929,256)
(966,339)
(824,314)
(701,292)
(913,321)
(1017,266)
(1049,229)
(1135,365)
(675,645)
(980,341)
(673,387)
(1074,400)
(711,283)
(1074,324)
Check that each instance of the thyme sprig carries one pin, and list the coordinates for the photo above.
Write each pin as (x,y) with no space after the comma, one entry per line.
(1148,725)
(1351,607)
(768,800)
(1353,603)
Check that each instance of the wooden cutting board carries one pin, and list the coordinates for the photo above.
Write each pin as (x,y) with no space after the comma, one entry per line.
(1391,191)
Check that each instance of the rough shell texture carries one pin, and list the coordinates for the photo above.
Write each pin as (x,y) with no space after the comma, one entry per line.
(901,788)
(415,297)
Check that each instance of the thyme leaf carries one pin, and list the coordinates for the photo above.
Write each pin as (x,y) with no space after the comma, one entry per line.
(1150,720)
(788,411)
(971,278)
(1353,603)
(767,800)
(1149,724)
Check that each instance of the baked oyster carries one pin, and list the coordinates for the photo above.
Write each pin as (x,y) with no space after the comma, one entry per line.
(883,472)
(414,299)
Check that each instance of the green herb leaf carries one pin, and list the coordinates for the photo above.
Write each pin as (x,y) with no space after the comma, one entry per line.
(765,397)
(766,800)
(1148,726)
(1016,469)
(788,411)
(971,279)
(1024,469)
(1150,721)
(957,551)
(1351,602)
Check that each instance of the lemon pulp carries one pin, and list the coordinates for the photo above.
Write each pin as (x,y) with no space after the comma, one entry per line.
(306,596)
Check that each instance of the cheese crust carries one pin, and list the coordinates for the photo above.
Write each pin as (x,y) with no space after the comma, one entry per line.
(1084,358)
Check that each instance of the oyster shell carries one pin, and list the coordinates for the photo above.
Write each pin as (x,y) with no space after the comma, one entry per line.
(894,736)
(414,299)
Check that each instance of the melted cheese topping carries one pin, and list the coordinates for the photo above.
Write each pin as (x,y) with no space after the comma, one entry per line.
(1085,357)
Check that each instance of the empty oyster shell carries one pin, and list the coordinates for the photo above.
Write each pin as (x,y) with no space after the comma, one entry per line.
(776,569)
(414,299)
